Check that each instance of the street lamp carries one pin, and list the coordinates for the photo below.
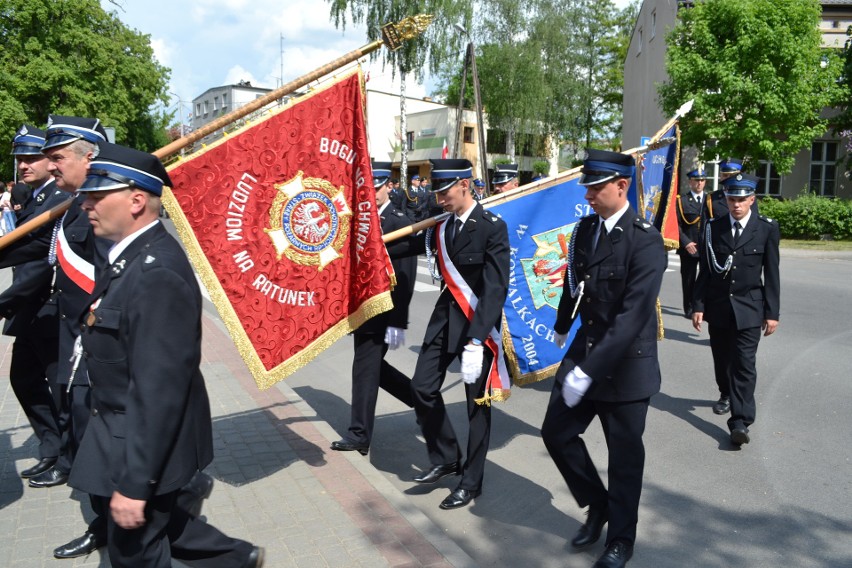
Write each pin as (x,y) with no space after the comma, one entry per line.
(470,60)
(180,112)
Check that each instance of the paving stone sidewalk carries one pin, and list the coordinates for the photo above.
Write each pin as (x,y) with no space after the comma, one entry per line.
(277,484)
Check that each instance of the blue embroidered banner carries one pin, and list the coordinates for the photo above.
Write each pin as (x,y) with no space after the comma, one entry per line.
(653,192)
(540,223)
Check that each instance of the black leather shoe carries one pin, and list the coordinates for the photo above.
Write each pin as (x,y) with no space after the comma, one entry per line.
(739,436)
(722,406)
(80,546)
(43,465)
(347,446)
(255,558)
(590,532)
(616,555)
(198,489)
(459,498)
(437,472)
(49,478)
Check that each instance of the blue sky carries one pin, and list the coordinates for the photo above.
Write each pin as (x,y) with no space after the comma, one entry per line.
(208,43)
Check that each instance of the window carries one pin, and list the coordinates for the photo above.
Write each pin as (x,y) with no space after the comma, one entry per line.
(206,105)
(770,179)
(197,109)
(468,135)
(639,39)
(224,102)
(495,143)
(823,167)
(653,25)
(215,104)
(409,140)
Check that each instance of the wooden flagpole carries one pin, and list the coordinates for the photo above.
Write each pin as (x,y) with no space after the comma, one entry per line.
(392,36)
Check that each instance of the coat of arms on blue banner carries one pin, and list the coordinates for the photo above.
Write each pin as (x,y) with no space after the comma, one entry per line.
(540,222)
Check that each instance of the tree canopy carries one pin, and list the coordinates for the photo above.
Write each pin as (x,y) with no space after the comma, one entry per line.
(70,57)
(758,74)
(429,51)
(550,67)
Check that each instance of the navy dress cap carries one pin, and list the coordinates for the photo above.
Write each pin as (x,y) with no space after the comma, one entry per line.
(505,173)
(445,173)
(28,141)
(730,165)
(414,177)
(62,130)
(601,166)
(381,173)
(697,174)
(740,185)
(478,183)
(119,167)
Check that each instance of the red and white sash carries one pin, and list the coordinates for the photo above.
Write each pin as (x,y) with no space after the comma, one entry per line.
(498,384)
(81,272)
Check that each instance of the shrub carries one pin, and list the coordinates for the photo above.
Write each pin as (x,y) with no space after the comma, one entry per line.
(810,217)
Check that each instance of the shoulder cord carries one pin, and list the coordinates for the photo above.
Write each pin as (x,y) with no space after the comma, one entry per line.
(711,254)
(683,215)
(430,256)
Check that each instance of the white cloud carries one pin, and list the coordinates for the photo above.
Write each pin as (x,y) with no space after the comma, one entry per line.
(208,43)
(236,74)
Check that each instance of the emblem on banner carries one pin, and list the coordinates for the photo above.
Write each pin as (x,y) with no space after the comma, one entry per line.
(545,271)
(307,221)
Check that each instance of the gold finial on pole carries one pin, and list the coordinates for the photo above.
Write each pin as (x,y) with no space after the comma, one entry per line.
(408,28)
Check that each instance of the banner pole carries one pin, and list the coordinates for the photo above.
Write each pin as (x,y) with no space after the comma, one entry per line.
(392,36)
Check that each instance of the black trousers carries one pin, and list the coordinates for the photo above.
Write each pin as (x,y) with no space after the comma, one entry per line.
(32,371)
(441,442)
(623,425)
(734,357)
(169,532)
(369,372)
(688,274)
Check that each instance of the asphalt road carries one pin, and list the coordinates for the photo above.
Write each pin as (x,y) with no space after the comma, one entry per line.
(785,499)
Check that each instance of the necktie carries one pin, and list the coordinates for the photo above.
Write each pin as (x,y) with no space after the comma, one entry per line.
(452,231)
(601,234)
(738,229)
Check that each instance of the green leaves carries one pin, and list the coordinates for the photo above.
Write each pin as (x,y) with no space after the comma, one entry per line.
(70,57)
(758,74)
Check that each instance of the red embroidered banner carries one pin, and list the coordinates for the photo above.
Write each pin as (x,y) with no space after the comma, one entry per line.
(280,222)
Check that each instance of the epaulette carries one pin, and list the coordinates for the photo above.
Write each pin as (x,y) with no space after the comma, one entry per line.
(398,213)
(642,224)
(767,219)
(489,216)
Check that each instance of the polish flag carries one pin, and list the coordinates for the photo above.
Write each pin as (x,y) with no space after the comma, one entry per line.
(445,151)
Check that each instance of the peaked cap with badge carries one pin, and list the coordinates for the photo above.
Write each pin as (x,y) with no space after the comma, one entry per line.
(381,173)
(740,185)
(28,141)
(445,173)
(505,173)
(601,166)
(118,167)
(63,130)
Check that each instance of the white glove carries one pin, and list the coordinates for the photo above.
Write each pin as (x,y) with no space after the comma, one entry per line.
(471,363)
(561,338)
(394,337)
(574,387)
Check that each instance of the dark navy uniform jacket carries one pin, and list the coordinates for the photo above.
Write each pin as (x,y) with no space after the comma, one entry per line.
(69,296)
(749,292)
(481,255)
(616,344)
(26,303)
(689,220)
(405,267)
(150,429)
